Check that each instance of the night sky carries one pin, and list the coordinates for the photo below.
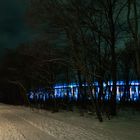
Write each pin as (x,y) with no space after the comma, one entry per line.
(13,29)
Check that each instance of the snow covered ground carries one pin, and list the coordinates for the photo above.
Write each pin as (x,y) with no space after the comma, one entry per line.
(21,123)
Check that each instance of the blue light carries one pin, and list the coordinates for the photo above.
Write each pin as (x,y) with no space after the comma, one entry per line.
(60,90)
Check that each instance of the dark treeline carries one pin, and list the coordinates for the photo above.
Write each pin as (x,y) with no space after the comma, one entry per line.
(82,41)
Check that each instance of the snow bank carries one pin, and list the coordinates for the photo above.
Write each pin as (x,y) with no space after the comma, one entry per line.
(20,123)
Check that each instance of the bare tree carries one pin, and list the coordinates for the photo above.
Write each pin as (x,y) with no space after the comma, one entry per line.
(133,23)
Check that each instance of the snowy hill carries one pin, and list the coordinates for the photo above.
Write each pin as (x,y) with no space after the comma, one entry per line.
(21,123)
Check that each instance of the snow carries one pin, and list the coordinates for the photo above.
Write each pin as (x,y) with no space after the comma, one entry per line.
(22,123)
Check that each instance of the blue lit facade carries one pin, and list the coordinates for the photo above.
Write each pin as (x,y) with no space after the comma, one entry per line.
(71,90)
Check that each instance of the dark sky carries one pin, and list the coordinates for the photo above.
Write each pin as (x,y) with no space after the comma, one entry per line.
(13,29)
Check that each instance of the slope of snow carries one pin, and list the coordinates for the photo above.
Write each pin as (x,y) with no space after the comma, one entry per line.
(21,123)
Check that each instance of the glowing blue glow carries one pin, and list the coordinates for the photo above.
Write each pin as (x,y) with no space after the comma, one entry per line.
(71,90)
(104,84)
